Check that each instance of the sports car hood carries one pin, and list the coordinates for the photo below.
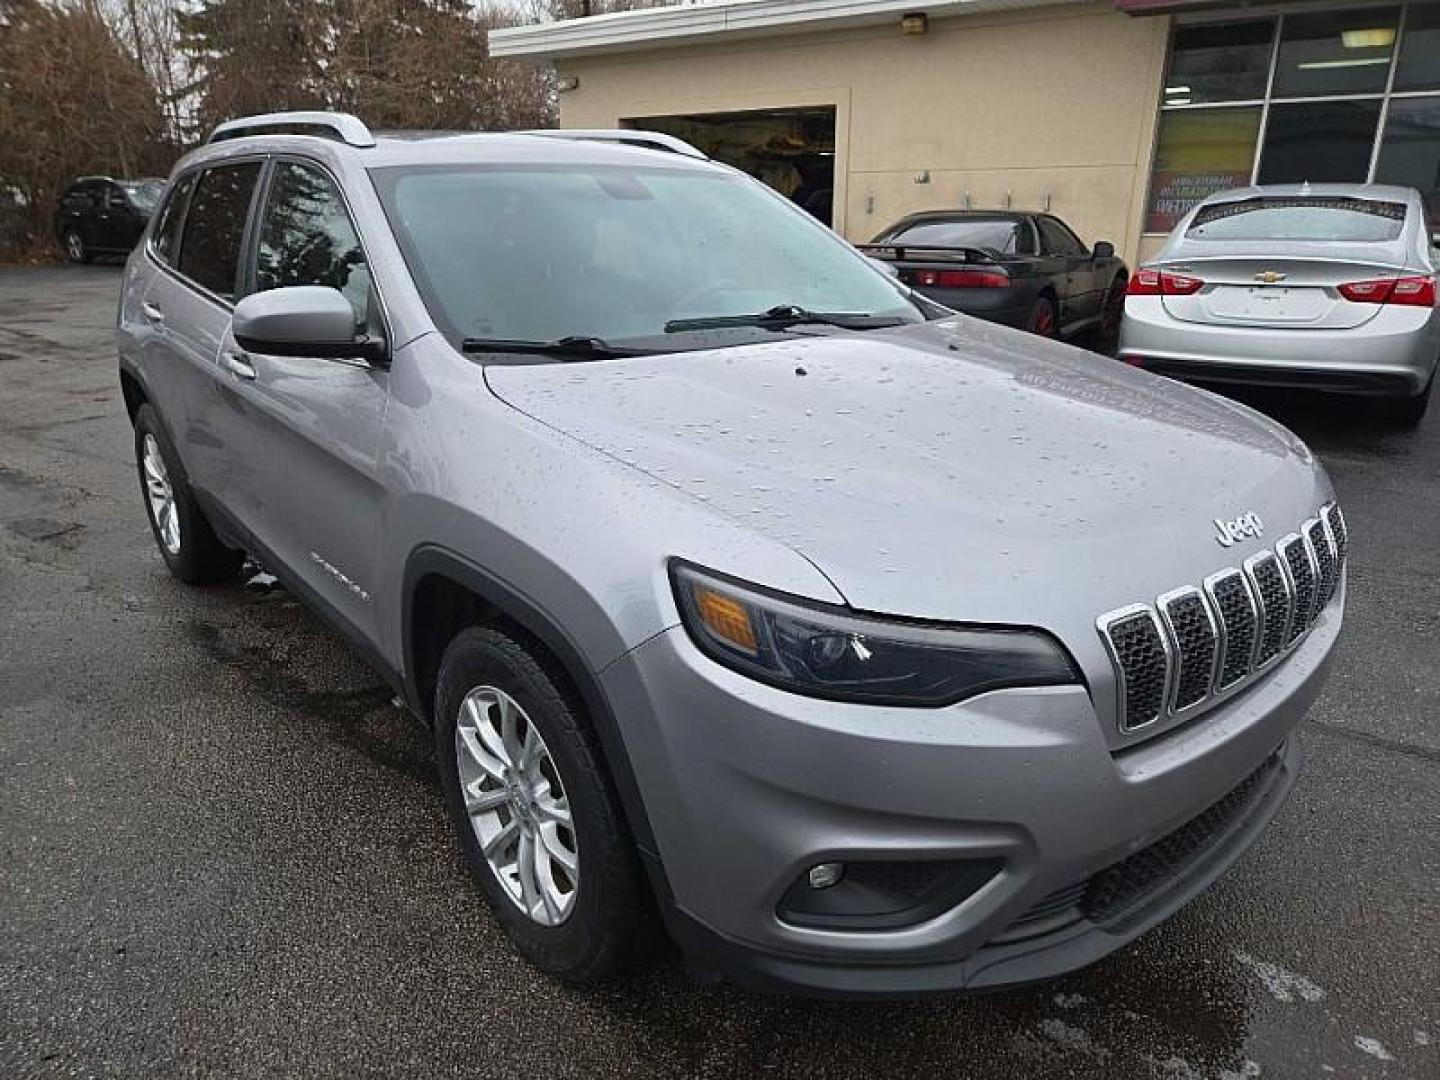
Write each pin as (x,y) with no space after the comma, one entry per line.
(955,471)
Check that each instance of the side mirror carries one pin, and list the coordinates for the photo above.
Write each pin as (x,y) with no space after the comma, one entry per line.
(302,320)
(1103,249)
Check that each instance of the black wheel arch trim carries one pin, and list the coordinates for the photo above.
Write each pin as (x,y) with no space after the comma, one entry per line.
(428,559)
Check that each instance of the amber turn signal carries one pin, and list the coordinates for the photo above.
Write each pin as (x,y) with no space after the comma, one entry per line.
(727,619)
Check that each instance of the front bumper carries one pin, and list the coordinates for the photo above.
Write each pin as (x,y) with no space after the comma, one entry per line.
(747,787)
(1392,354)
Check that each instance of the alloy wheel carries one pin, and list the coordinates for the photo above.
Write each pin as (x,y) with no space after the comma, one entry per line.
(74,246)
(1042,320)
(517,805)
(161,496)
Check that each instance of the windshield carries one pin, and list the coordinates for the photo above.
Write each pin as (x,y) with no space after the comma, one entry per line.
(1002,235)
(1299,218)
(144,193)
(542,253)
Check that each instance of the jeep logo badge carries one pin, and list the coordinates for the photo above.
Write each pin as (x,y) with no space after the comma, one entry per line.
(1237,529)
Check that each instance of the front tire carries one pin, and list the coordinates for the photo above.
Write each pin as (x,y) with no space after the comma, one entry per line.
(538,822)
(187,543)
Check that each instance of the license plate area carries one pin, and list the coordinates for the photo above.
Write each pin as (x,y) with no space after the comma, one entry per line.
(1268,304)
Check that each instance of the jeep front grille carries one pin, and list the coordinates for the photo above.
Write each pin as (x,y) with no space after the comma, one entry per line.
(1195,645)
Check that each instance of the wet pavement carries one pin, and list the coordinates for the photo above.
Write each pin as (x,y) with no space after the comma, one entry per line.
(222,850)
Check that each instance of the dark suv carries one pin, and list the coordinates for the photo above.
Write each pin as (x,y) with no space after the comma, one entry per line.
(100,216)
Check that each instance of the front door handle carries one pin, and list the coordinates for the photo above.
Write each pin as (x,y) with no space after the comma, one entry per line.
(239,366)
(153,313)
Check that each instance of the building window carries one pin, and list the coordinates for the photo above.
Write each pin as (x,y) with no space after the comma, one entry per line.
(1331,96)
(1200,152)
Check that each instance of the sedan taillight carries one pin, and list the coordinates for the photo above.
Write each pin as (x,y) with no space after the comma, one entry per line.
(1417,291)
(963,279)
(1162,283)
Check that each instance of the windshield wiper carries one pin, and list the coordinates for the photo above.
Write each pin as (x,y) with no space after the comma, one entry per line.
(786,315)
(574,347)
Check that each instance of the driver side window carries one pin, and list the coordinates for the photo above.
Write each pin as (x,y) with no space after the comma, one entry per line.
(1058,240)
(306,238)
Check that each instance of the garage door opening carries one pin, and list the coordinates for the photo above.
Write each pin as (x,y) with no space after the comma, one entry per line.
(792,150)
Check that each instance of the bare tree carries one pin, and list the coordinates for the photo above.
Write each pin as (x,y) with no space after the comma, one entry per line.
(73,100)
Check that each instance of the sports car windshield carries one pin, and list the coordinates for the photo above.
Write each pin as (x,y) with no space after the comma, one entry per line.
(545,253)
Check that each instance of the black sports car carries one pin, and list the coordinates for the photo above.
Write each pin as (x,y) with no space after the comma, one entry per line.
(1021,269)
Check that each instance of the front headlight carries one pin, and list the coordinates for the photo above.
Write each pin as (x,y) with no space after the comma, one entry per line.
(827,652)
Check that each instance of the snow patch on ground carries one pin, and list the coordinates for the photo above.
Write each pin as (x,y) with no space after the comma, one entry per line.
(1245,1072)
(1283,985)
(1366,1045)
(1072,1038)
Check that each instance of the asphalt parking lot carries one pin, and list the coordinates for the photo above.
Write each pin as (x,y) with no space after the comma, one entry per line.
(222,849)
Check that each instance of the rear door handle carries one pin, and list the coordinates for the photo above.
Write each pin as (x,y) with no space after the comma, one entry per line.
(153,313)
(239,366)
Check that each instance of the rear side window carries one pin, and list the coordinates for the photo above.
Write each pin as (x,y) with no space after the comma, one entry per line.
(172,217)
(215,226)
(1004,235)
(306,238)
(1299,218)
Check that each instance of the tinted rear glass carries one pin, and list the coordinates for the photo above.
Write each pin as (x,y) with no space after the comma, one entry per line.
(1300,218)
(167,232)
(215,226)
(995,234)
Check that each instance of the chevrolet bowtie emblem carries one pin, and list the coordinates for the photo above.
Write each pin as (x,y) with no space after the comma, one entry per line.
(1270,277)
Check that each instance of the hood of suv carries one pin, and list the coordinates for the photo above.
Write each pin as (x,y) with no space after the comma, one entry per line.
(957,471)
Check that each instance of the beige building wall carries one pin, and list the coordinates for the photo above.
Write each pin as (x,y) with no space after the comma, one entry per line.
(1056,104)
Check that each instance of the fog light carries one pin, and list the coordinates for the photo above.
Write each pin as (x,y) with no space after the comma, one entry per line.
(826,874)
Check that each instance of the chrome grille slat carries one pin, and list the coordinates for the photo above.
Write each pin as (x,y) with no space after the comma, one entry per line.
(1318,540)
(1238,615)
(1140,653)
(1336,521)
(1272,590)
(1193,646)
(1193,639)
(1299,566)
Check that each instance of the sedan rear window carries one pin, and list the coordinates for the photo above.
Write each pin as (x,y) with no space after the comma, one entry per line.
(1299,218)
(995,234)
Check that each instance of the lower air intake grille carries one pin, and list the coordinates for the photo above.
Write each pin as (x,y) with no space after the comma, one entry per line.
(1117,889)
(1121,887)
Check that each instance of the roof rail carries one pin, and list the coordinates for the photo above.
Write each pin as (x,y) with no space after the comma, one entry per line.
(338,126)
(650,140)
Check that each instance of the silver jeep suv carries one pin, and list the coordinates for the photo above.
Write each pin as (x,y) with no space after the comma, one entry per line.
(863,647)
